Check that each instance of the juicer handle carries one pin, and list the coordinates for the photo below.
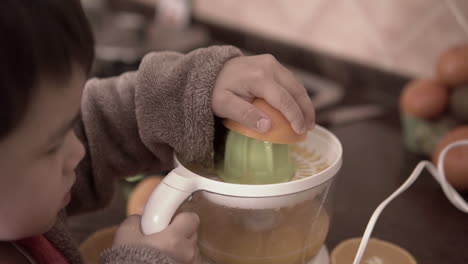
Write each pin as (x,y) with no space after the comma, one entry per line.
(162,205)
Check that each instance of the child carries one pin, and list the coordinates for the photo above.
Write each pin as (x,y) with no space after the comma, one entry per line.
(63,141)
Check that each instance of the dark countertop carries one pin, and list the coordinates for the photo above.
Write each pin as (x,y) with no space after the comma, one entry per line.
(422,220)
(375,164)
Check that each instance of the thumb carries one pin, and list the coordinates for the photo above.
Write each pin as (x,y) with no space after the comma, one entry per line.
(132,220)
(129,231)
(247,114)
(185,224)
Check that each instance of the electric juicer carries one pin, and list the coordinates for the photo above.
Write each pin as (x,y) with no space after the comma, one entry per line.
(284,221)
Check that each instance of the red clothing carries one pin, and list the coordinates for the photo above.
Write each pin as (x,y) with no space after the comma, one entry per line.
(42,251)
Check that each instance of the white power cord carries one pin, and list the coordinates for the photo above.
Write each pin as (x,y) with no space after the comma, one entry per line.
(438,174)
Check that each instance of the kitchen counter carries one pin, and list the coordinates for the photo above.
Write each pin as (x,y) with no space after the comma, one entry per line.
(375,164)
(375,161)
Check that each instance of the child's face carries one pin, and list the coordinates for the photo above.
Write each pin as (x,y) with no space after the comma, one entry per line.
(37,160)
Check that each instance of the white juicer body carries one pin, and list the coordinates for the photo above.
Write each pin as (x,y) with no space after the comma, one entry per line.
(182,183)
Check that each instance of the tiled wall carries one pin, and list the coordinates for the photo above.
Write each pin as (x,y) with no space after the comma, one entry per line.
(399,35)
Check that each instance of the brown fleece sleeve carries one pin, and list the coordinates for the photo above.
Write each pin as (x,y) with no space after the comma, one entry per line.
(134,122)
(135,255)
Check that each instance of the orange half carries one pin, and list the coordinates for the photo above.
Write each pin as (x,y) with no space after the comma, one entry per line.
(280,132)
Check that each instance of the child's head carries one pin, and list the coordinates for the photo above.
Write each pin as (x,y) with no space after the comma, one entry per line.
(46,52)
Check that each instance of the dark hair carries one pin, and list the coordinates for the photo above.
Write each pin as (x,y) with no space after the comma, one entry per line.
(38,37)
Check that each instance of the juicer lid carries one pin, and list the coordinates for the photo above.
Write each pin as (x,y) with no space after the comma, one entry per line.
(318,140)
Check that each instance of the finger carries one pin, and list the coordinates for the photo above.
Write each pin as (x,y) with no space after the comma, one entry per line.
(240,110)
(287,79)
(185,224)
(129,231)
(186,254)
(279,98)
(197,259)
(131,224)
(194,239)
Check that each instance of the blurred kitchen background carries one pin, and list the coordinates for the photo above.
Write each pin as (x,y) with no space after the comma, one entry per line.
(395,35)
(354,56)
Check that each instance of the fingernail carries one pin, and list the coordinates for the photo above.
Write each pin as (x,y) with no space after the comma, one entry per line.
(263,125)
(299,129)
